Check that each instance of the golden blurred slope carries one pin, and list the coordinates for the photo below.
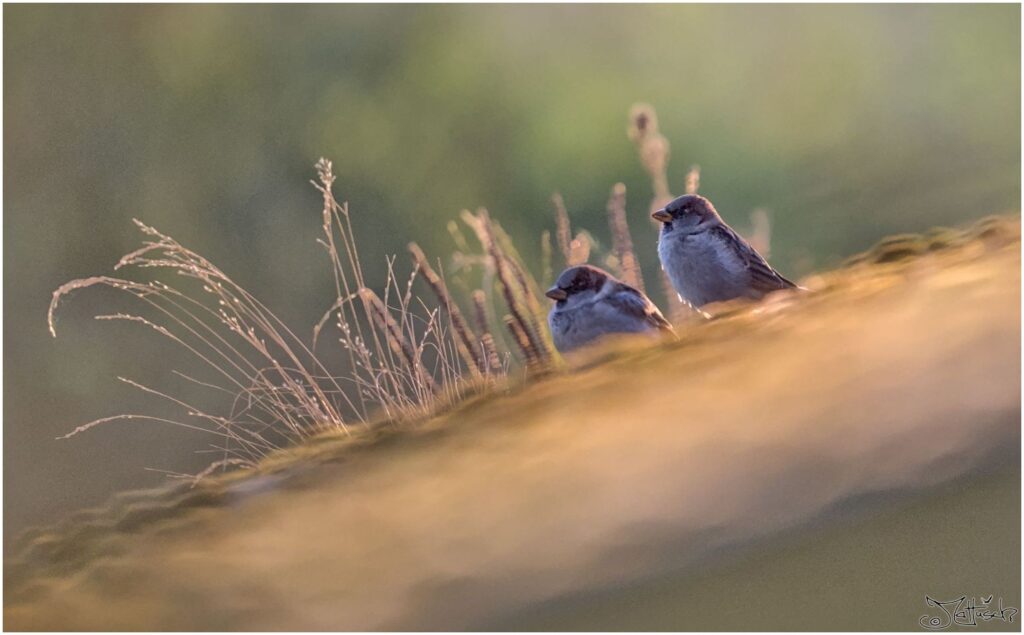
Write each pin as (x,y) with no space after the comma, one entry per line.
(893,375)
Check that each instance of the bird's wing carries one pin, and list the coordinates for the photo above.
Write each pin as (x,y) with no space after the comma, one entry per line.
(762,276)
(632,302)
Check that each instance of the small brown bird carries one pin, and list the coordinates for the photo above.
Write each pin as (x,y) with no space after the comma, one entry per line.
(706,260)
(590,303)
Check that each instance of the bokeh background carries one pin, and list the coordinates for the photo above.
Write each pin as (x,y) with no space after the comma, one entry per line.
(846,123)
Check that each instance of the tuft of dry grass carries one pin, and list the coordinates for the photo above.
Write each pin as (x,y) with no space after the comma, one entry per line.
(653,149)
(276,386)
(580,247)
(547,275)
(423,383)
(693,180)
(486,339)
(522,339)
(467,345)
(622,242)
(563,230)
(515,289)
(654,152)
(403,359)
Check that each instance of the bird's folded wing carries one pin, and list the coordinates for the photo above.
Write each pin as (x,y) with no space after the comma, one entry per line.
(762,276)
(633,302)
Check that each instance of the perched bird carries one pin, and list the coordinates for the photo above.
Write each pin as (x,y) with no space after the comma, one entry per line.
(706,260)
(590,303)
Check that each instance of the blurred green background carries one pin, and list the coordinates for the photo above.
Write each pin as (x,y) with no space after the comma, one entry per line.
(847,123)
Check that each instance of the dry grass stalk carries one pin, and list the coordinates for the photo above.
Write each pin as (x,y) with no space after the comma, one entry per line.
(332,212)
(654,150)
(563,230)
(522,339)
(575,251)
(538,323)
(457,237)
(528,288)
(693,180)
(486,339)
(535,348)
(385,378)
(622,242)
(527,285)
(524,285)
(547,275)
(579,249)
(395,339)
(467,345)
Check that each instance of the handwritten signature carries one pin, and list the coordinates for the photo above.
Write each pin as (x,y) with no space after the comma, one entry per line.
(965,612)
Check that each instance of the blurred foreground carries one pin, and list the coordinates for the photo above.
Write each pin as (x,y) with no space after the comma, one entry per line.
(844,123)
(824,460)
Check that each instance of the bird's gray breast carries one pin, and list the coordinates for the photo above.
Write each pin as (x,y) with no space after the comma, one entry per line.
(703,268)
(575,327)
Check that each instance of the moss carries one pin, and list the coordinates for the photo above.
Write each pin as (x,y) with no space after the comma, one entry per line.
(991,231)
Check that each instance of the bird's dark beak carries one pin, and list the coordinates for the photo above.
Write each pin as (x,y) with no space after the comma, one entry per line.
(662,216)
(556,294)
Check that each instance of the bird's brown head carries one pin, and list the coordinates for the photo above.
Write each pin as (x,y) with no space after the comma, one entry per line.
(687,211)
(576,280)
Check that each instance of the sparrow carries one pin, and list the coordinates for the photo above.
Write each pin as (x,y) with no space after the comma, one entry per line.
(590,303)
(706,260)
